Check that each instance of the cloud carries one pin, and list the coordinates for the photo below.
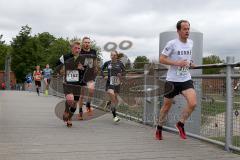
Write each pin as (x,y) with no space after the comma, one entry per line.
(140,21)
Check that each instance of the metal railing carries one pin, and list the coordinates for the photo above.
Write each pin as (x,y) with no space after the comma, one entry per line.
(219,103)
(216,118)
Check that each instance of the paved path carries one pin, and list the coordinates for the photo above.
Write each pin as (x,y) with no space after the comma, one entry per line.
(29,130)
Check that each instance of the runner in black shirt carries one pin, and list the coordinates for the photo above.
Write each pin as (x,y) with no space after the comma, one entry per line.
(74,72)
(115,70)
(90,65)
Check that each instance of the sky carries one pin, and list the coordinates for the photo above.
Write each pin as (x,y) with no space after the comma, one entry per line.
(139,21)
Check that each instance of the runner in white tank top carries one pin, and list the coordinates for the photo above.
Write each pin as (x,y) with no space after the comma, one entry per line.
(178,55)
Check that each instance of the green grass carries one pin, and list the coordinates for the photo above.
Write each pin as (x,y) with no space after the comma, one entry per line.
(217,96)
(212,109)
(132,111)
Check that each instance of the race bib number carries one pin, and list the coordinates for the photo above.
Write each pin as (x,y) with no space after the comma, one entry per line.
(88,62)
(72,76)
(38,77)
(182,71)
(114,80)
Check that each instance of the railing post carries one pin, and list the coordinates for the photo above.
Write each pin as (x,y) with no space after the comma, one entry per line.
(145,95)
(57,86)
(7,72)
(229,105)
(156,106)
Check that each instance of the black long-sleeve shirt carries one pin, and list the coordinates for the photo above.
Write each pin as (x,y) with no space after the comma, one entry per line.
(113,68)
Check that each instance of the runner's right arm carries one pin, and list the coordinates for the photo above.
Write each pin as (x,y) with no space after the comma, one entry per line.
(165,60)
(104,66)
(34,75)
(164,57)
(59,65)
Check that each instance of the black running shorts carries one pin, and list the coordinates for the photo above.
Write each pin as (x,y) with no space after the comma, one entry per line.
(38,83)
(178,87)
(115,88)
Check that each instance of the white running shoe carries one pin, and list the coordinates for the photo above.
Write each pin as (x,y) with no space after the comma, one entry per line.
(116,119)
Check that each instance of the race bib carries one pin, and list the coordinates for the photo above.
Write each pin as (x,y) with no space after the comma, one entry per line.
(114,80)
(182,71)
(88,62)
(38,77)
(72,76)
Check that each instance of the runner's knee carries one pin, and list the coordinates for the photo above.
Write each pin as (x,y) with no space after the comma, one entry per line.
(110,91)
(192,105)
(113,108)
(70,99)
(90,85)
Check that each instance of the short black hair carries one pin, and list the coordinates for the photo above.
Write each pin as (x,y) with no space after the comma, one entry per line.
(178,26)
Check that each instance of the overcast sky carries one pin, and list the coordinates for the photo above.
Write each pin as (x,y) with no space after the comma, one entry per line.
(139,21)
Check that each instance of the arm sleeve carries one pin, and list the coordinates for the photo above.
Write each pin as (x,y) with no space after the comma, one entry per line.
(59,64)
(167,50)
(103,68)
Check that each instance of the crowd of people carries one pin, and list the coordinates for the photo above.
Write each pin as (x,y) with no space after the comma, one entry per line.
(80,70)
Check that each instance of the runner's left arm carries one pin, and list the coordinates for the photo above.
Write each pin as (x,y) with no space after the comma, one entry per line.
(123,72)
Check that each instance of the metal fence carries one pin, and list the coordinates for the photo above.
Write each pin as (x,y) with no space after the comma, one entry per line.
(218,107)
(216,118)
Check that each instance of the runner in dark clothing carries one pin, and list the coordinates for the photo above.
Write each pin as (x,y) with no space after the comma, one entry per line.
(72,86)
(115,70)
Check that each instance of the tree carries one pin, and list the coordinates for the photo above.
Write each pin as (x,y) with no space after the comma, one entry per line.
(212,59)
(140,61)
(128,65)
(97,48)
(46,39)
(1,42)
(4,50)
(58,47)
(21,53)
(27,51)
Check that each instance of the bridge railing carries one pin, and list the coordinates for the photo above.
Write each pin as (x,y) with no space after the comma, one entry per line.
(216,118)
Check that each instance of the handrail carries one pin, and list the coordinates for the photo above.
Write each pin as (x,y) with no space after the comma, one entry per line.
(207,66)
